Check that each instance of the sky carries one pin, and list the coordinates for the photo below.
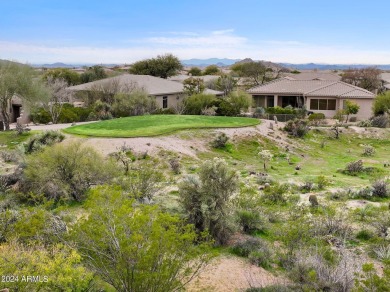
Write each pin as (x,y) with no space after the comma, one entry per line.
(118,32)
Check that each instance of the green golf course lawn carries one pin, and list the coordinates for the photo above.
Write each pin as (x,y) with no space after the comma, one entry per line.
(153,125)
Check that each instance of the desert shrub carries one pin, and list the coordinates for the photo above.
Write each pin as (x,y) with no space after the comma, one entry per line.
(272,288)
(9,156)
(368,150)
(66,172)
(339,115)
(307,186)
(365,124)
(316,118)
(102,110)
(322,182)
(381,121)
(40,141)
(240,100)
(255,249)
(297,128)
(313,200)
(220,141)
(276,193)
(165,111)
(381,104)
(363,193)
(382,224)
(68,114)
(380,189)
(205,198)
(251,220)
(40,116)
(59,268)
(135,103)
(225,108)
(354,167)
(364,234)
(142,181)
(175,165)
(369,280)
(258,112)
(382,252)
(279,110)
(335,225)
(197,102)
(137,247)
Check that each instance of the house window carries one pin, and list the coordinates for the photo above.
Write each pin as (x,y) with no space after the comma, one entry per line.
(165,101)
(323,104)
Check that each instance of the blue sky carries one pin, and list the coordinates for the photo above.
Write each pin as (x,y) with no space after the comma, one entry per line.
(296,31)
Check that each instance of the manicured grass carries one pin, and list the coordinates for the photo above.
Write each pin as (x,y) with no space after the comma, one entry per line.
(154,125)
(11,139)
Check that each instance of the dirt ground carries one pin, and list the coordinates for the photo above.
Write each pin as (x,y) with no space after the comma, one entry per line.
(229,273)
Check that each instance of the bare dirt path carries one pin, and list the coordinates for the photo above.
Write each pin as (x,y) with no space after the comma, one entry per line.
(229,273)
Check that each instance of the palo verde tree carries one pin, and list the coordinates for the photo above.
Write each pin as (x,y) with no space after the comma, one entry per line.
(206,198)
(16,80)
(162,66)
(136,247)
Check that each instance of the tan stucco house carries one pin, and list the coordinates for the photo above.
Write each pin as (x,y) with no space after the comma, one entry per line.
(168,93)
(322,96)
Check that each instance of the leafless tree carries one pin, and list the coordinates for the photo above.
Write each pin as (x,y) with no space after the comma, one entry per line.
(59,95)
(368,78)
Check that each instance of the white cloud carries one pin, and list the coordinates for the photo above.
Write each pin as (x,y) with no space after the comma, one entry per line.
(186,45)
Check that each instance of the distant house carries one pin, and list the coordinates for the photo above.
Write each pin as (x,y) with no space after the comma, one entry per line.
(386,81)
(205,78)
(322,96)
(313,75)
(167,93)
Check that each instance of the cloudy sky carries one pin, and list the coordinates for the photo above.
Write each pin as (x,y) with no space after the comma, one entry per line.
(294,31)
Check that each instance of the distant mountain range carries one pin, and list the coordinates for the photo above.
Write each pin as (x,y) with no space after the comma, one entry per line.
(228,62)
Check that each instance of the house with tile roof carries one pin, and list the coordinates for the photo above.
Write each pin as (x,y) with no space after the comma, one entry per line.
(168,93)
(313,75)
(319,96)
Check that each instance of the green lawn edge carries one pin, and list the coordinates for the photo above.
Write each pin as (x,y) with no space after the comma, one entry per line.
(75,130)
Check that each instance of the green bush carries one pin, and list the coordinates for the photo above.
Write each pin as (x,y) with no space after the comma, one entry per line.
(69,114)
(225,108)
(197,102)
(40,116)
(255,249)
(316,117)
(250,220)
(281,111)
(381,104)
(276,193)
(66,172)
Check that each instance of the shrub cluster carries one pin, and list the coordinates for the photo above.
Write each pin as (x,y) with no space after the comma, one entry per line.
(297,128)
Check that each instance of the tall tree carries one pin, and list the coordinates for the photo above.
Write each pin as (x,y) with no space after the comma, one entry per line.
(255,71)
(71,77)
(92,74)
(58,95)
(226,83)
(368,78)
(16,80)
(193,85)
(163,66)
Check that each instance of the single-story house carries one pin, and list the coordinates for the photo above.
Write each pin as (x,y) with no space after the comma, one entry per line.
(320,96)
(182,77)
(168,93)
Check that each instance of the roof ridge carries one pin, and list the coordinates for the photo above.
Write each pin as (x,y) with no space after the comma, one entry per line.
(321,87)
(355,87)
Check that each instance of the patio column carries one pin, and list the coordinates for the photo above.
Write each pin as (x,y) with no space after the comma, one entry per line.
(275,100)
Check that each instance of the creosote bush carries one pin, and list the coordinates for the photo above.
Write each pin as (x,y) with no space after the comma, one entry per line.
(66,172)
(297,128)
